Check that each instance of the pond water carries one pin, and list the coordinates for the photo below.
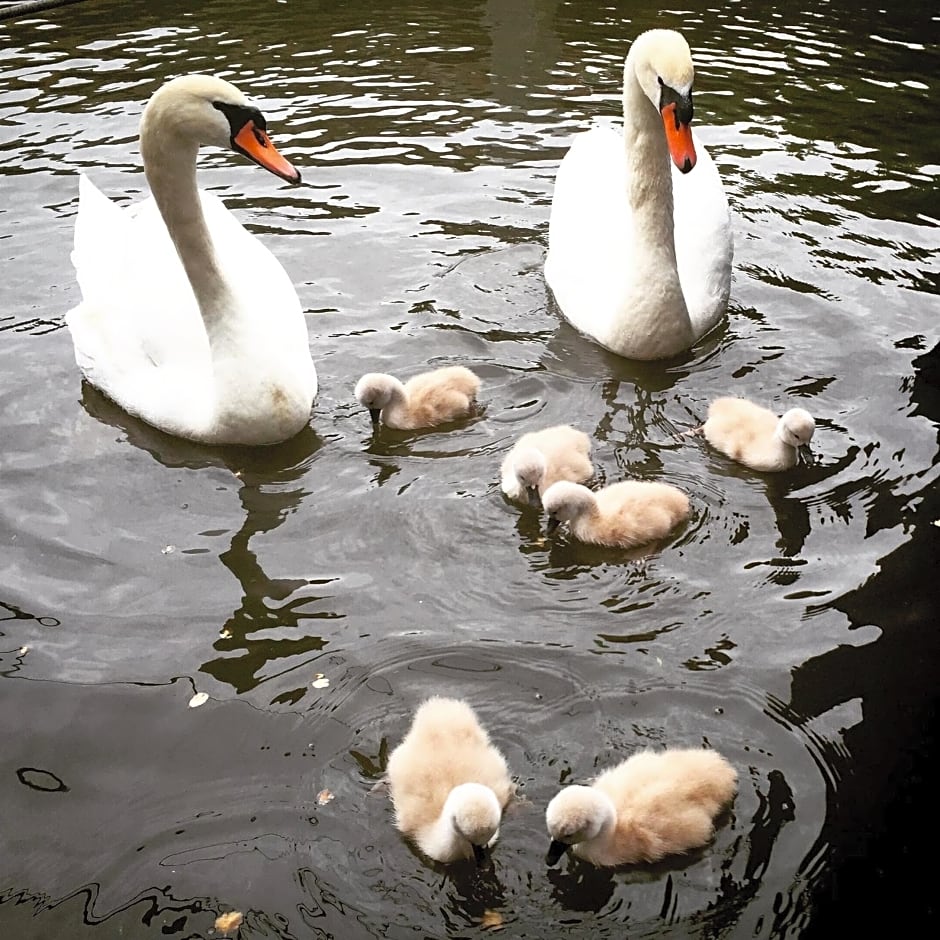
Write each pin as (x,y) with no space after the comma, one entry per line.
(791,624)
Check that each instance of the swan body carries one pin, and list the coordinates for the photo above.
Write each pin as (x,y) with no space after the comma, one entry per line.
(650,806)
(187,321)
(756,437)
(424,401)
(622,515)
(640,250)
(449,784)
(541,458)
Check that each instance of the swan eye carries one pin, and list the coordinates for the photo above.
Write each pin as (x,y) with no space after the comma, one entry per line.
(659,79)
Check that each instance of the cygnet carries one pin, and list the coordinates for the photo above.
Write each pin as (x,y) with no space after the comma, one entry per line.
(424,401)
(622,515)
(652,805)
(448,783)
(541,458)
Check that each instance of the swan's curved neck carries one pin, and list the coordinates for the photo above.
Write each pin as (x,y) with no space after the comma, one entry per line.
(649,173)
(170,166)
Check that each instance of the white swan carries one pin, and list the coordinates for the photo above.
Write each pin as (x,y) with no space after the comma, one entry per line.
(639,253)
(187,320)
(449,784)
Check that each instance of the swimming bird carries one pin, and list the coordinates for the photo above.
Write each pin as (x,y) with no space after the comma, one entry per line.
(640,251)
(187,321)
(541,458)
(621,515)
(448,783)
(652,805)
(424,401)
(756,437)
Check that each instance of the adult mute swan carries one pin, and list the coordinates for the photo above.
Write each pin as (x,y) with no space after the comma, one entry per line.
(186,319)
(639,253)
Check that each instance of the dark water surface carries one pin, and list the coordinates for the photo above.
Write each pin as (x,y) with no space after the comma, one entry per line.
(791,625)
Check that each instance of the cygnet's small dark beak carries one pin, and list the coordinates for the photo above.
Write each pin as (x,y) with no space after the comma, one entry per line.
(479,854)
(375,414)
(804,456)
(532,493)
(555,852)
(552,524)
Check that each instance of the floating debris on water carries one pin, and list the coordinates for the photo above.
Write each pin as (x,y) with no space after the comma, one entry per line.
(229,922)
(200,698)
(324,797)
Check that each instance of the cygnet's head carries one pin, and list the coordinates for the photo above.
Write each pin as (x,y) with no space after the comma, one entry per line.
(375,391)
(475,813)
(575,814)
(565,501)
(529,466)
(662,63)
(796,428)
(202,110)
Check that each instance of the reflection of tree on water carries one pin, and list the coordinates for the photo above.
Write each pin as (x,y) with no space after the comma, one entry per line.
(269,493)
(267,603)
(886,780)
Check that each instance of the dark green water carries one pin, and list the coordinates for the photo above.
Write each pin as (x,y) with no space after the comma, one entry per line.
(791,625)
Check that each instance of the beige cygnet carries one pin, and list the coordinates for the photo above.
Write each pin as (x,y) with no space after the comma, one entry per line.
(448,783)
(541,458)
(756,437)
(652,805)
(621,515)
(424,401)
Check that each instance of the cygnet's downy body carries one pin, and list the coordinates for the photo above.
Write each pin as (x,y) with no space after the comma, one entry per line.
(622,515)
(756,437)
(541,458)
(650,806)
(424,401)
(448,783)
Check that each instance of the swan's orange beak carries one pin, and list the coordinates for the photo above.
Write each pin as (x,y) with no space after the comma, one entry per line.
(679,138)
(255,144)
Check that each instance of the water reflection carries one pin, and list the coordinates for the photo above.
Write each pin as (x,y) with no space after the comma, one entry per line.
(432,136)
(255,642)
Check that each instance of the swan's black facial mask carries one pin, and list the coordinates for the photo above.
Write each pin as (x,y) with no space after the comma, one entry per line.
(250,137)
(676,111)
(683,103)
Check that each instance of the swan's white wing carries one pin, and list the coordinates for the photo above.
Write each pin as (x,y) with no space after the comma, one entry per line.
(590,234)
(138,319)
(139,335)
(703,240)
